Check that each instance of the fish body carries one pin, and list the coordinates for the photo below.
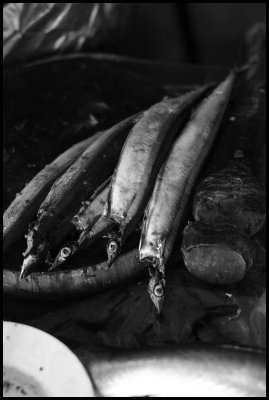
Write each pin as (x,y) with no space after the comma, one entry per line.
(46,248)
(141,158)
(156,267)
(25,206)
(189,370)
(79,182)
(178,176)
(89,278)
(90,213)
(91,222)
(171,182)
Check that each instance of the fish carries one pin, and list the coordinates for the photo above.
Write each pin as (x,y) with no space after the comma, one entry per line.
(90,221)
(141,158)
(157,282)
(81,277)
(46,248)
(78,183)
(92,210)
(86,239)
(26,204)
(156,268)
(188,370)
(178,175)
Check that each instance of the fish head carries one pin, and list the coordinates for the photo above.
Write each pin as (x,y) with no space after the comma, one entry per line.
(156,287)
(64,254)
(32,261)
(29,265)
(113,249)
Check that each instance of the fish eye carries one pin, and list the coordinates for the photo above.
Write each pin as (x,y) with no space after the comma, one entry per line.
(158,290)
(112,247)
(66,251)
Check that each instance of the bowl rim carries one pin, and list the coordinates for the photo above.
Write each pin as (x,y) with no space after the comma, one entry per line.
(50,363)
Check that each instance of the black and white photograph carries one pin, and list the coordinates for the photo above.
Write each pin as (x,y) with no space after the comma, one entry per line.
(134,200)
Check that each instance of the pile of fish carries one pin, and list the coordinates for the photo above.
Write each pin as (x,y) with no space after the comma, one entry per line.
(140,171)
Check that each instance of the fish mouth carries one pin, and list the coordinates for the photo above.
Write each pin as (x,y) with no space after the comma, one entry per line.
(32,260)
(29,265)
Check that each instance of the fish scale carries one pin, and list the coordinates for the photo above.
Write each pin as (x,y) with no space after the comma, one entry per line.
(141,158)
(90,221)
(70,189)
(177,177)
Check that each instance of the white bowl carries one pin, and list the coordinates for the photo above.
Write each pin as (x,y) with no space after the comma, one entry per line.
(35,364)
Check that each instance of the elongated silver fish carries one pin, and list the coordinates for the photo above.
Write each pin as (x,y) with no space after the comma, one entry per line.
(25,206)
(83,177)
(189,370)
(178,176)
(79,182)
(141,158)
(91,222)
(89,213)
(50,245)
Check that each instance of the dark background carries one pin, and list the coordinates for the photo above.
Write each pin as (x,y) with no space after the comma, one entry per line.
(199,33)
(206,33)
